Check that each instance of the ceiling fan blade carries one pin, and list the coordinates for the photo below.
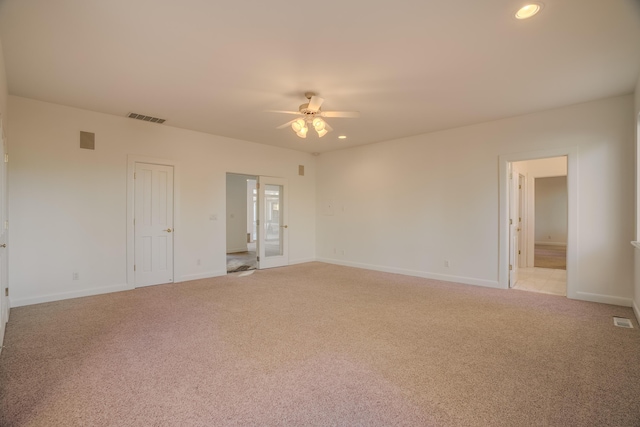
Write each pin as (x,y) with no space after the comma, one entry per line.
(282,111)
(347,114)
(286,124)
(314,103)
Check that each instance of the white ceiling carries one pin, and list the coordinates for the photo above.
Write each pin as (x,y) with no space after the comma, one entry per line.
(409,66)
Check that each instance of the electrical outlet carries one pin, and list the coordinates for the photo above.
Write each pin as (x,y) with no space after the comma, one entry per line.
(198,262)
(343,252)
(335,251)
(76,276)
(446,263)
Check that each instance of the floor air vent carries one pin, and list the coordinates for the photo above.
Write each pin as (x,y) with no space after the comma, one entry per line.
(145,118)
(622,322)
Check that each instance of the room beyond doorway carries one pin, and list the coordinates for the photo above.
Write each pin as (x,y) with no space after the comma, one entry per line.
(241,216)
(543,225)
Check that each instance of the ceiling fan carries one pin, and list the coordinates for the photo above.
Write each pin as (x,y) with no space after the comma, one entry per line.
(311,114)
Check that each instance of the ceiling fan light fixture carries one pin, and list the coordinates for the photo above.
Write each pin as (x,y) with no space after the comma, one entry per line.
(318,124)
(298,125)
(302,133)
(310,114)
(529,10)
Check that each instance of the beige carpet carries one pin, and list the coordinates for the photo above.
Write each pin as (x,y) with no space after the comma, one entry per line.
(550,256)
(319,345)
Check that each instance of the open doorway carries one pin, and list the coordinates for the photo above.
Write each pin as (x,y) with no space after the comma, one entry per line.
(256,222)
(242,215)
(541,211)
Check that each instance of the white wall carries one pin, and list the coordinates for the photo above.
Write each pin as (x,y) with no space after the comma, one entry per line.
(551,203)
(68,205)
(540,168)
(236,213)
(410,204)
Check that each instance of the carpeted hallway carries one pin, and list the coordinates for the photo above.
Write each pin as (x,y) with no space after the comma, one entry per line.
(319,344)
(550,256)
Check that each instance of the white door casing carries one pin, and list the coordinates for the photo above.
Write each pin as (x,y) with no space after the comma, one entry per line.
(273,229)
(153,224)
(571,152)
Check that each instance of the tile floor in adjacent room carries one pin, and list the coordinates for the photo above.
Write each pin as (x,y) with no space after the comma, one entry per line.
(544,280)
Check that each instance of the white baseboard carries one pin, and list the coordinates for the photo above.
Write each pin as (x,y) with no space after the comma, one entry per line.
(301,261)
(636,311)
(206,275)
(604,299)
(416,273)
(544,242)
(237,250)
(19,302)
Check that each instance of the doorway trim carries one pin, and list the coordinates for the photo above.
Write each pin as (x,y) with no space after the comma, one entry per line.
(132,159)
(572,212)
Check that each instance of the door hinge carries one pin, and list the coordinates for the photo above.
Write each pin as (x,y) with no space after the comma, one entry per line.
(510,221)
(519,253)
(520,219)
(6,292)
(510,267)
(519,187)
(6,157)
(257,222)
(258,259)
(134,175)
(134,268)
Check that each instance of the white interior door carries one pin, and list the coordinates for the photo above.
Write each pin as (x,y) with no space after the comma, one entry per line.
(514,226)
(522,212)
(273,235)
(4,284)
(153,224)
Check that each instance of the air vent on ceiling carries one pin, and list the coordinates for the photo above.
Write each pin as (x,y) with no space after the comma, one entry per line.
(622,322)
(145,118)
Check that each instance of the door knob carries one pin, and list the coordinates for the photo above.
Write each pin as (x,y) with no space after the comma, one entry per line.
(284,226)
(4,245)
(168,230)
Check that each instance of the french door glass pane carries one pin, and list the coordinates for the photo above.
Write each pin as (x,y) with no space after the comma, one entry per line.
(274,230)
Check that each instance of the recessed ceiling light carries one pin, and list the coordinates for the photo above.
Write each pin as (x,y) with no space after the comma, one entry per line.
(342,137)
(528,10)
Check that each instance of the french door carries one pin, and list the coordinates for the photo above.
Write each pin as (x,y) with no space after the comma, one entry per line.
(273,235)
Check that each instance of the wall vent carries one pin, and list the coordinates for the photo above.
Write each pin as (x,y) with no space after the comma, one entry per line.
(87,140)
(145,118)
(622,322)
